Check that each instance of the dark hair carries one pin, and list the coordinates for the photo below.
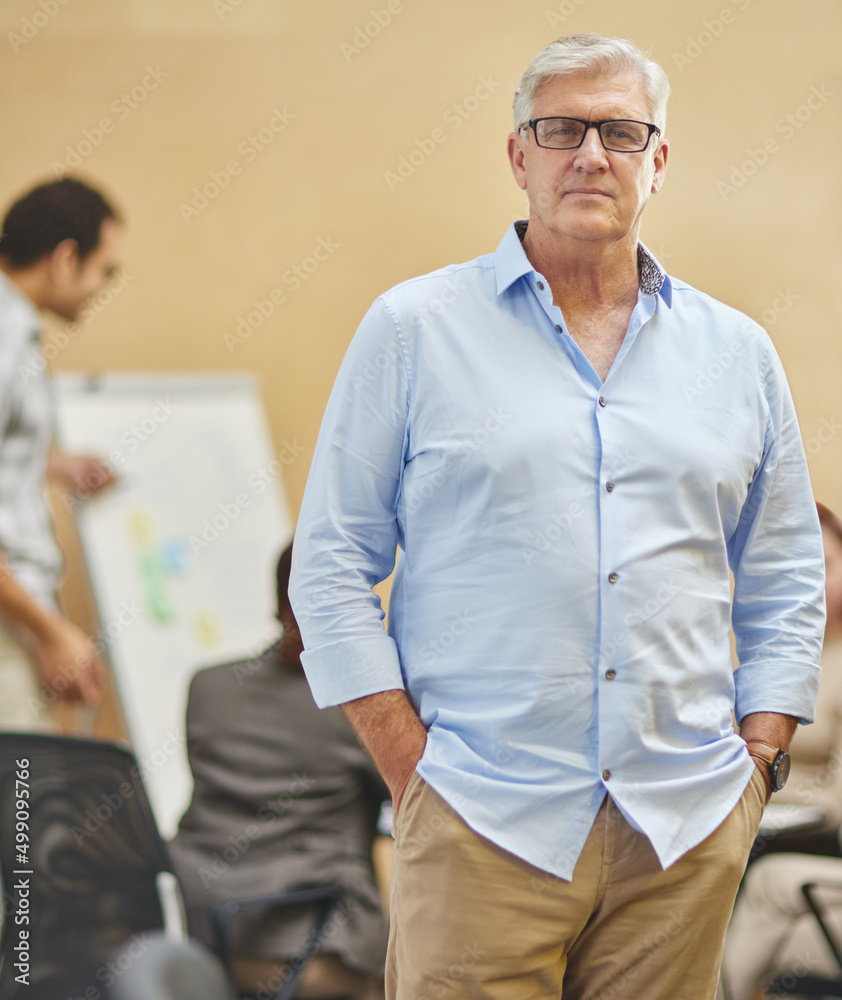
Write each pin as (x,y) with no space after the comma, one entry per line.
(283,571)
(60,210)
(828,519)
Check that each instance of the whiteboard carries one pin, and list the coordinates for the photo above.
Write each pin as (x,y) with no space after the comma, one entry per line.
(181,552)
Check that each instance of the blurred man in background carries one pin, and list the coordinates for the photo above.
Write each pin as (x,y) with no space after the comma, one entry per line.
(284,798)
(58,248)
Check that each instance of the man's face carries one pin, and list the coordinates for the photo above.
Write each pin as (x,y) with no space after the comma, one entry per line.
(75,281)
(588,193)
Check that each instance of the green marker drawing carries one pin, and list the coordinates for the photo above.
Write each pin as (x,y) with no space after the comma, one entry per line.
(161,608)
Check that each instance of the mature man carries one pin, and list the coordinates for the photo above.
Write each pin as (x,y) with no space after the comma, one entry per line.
(570,453)
(58,248)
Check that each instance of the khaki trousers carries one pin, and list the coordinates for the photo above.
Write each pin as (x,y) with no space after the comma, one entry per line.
(470,920)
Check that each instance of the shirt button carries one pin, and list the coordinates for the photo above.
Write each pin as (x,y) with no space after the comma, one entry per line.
(609,486)
(613,577)
(606,775)
(557,328)
(540,286)
(602,400)
(610,674)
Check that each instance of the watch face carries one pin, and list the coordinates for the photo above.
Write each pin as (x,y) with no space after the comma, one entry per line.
(780,770)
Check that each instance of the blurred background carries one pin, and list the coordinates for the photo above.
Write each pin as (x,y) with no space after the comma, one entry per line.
(280,164)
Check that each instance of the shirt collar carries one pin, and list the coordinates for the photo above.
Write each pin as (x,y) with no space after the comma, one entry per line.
(511,263)
(21,304)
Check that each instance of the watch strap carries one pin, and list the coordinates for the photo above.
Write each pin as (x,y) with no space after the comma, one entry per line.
(762,750)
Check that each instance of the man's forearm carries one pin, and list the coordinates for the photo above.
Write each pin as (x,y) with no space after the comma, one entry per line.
(19,608)
(64,656)
(390,730)
(772,729)
(769,727)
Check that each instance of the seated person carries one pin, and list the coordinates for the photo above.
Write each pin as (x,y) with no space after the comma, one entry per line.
(772,930)
(284,798)
(816,751)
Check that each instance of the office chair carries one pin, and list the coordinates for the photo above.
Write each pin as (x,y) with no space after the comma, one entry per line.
(82,858)
(95,870)
(797,984)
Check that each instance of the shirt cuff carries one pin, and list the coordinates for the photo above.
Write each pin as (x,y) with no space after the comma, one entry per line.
(352,668)
(787,687)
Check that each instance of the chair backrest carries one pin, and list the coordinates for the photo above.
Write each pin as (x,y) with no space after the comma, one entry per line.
(86,880)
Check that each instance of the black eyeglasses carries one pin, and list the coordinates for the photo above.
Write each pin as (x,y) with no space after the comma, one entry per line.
(616,135)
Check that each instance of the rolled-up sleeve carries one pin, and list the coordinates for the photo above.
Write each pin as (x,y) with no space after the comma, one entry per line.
(778,564)
(347,532)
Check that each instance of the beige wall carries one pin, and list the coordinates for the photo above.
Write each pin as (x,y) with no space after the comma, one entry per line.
(222,73)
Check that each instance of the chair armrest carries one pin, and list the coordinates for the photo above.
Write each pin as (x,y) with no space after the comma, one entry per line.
(172,906)
(326,898)
(809,891)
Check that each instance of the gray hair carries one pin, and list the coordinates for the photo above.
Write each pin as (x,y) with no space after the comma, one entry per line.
(593,56)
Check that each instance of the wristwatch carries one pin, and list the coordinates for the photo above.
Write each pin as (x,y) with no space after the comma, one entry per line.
(777,762)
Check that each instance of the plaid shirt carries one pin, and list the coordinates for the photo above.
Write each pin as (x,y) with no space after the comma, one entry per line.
(26,431)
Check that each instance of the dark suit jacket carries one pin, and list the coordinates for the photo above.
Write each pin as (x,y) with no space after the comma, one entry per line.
(284,797)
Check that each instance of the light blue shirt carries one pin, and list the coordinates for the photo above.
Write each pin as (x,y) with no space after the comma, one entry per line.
(561,605)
